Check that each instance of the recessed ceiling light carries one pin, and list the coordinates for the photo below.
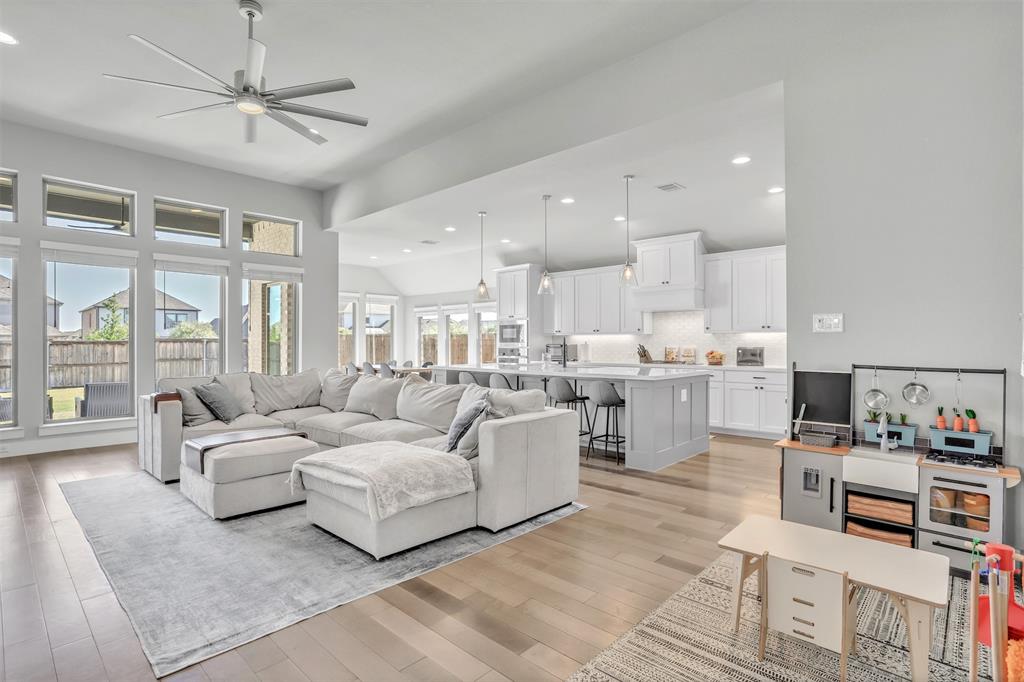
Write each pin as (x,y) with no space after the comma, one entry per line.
(740,160)
(406,250)
(568,200)
(373,258)
(449,229)
(619,218)
(506,241)
(8,39)
(776,190)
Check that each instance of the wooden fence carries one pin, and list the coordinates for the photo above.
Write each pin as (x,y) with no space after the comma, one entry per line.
(187,357)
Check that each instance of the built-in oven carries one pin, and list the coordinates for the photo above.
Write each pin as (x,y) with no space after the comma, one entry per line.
(512,333)
(965,505)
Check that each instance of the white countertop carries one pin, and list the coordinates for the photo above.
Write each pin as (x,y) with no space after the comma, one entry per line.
(584,371)
(674,365)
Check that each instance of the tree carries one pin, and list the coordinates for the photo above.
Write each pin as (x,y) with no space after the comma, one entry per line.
(193,330)
(114,327)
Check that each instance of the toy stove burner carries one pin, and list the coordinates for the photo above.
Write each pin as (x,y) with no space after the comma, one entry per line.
(959,459)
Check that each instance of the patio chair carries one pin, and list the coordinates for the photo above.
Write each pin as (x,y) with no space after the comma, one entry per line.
(105,399)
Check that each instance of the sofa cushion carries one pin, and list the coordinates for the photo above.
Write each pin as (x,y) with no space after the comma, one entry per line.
(193,411)
(433,442)
(463,422)
(504,400)
(241,461)
(241,387)
(391,429)
(433,405)
(245,422)
(171,384)
(327,428)
(289,418)
(375,395)
(275,393)
(335,389)
(221,401)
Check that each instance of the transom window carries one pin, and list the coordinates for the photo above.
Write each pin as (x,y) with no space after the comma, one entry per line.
(8,196)
(188,223)
(88,208)
(262,234)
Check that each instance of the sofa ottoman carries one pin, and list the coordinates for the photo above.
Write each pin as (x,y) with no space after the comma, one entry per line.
(345,505)
(244,476)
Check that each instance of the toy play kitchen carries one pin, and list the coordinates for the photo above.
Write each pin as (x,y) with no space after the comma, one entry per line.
(912,456)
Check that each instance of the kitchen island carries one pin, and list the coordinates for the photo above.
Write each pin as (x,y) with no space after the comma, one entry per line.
(666,413)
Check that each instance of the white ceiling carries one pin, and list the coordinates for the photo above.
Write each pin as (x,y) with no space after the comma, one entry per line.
(422,69)
(729,203)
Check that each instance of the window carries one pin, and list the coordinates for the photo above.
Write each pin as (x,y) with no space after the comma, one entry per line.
(7,339)
(88,208)
(269,324)
(269,235)
(379,317)
(188,319)
(426,331)
(487,326)
(89,350)
(8,196)
(458,337)
(187,223)
(346,332)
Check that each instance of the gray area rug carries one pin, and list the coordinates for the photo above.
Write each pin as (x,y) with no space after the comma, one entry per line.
(194,587)
(689,638)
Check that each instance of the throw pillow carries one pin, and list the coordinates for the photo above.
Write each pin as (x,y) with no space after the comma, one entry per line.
(241,387)
(433,405)
(221,401)
(336,388)
(518,402)
(463,422)
(276,393)
(472,393)
(469,446)
(376,396)
(193,411)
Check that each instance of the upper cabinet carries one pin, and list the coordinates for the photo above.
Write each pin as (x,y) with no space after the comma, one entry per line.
(675,261)
(560,308)
(598,302)
(514,294)
(745,291)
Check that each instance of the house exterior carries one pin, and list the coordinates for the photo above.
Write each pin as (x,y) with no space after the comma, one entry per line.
(7,309)
(170,312)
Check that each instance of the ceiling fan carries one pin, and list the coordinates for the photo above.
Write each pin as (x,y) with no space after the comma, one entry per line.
(249,94)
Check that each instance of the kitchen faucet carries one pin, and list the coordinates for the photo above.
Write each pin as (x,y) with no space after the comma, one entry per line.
(883,434)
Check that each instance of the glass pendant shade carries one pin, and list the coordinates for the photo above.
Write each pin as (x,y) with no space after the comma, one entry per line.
(547,286)
(627,276)
(482,294)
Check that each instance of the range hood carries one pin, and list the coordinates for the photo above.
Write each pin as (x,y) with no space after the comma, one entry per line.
(665,299)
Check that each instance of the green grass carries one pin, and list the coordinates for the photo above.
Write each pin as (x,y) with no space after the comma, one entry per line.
(64,401)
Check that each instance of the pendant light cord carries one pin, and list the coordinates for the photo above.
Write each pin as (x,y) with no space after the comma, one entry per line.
(482,214)
(627,178)
(545,198)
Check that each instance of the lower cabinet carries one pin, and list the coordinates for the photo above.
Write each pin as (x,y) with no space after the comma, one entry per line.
(759,407)
(741,406)
(773,412)
(716,404)
(812,489)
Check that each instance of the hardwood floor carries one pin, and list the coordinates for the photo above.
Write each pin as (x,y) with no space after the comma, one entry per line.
(535,608)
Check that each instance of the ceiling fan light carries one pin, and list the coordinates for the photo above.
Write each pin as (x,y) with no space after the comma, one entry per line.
(547,285)
(627,276)
(249,104)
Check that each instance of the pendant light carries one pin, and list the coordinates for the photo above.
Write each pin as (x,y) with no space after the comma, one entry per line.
(627,276)
(547,286)
(482,294)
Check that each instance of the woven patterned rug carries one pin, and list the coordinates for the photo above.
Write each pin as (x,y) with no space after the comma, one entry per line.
(689,638)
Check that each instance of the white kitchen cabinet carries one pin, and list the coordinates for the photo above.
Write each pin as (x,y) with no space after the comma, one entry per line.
(718,295)
(609,303)
(653,265)
(773,415)
(588,303)
(513,295)
(749,293)
(634,320)
(675,261)
(775,296)
(716,404)
(560,307)
(742,402)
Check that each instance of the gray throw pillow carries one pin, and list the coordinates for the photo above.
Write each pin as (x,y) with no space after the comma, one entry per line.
(241,387)
(463,422)
(469,444)
(221,401)
(193,411)
(275,393)
(336,387)
(375,395)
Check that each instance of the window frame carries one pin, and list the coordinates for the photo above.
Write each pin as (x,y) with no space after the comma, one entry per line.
(478,311)
(266,216)
(131,195)
(274,274)
(132,338)
(447,312)
(434,315)
(181,203)
(348,299)
(11,250)
(164,264)
(392,303)
(13,175)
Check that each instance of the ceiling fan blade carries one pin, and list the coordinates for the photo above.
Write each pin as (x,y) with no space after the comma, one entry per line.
(319,88)
(249,131)
(319,113)
(164,85)
(196,110)
(255,55)
(305,131)
(178,60)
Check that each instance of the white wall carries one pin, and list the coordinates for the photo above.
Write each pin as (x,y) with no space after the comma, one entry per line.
(34,153)
(361,279)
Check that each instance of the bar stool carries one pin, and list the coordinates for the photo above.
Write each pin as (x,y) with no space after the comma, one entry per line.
(368,369)
(467,378)
(351,368)
(561,391)
(603,394)
(386,371)
(499,381)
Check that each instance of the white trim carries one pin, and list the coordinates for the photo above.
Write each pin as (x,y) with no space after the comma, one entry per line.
(190,264)
(12,433)
(347,296)
(9,250)
(88,248)
(481,307)
(10,241)
(382,298)
(275,273)
(423,311)
(455,308)
(86,426)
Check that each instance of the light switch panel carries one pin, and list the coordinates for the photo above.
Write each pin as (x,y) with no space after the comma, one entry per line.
(826,323)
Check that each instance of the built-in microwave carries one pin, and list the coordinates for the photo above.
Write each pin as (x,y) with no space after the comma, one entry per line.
(512,333)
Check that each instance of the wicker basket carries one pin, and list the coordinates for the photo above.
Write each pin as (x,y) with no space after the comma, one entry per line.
(818,440)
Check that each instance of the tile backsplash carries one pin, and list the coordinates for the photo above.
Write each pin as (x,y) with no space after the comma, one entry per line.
(682,329)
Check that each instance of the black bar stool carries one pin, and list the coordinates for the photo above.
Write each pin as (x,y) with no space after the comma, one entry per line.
(603,394)
(561,391)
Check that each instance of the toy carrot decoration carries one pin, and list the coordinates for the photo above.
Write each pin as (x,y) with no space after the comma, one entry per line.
(972,420)
(940,421)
